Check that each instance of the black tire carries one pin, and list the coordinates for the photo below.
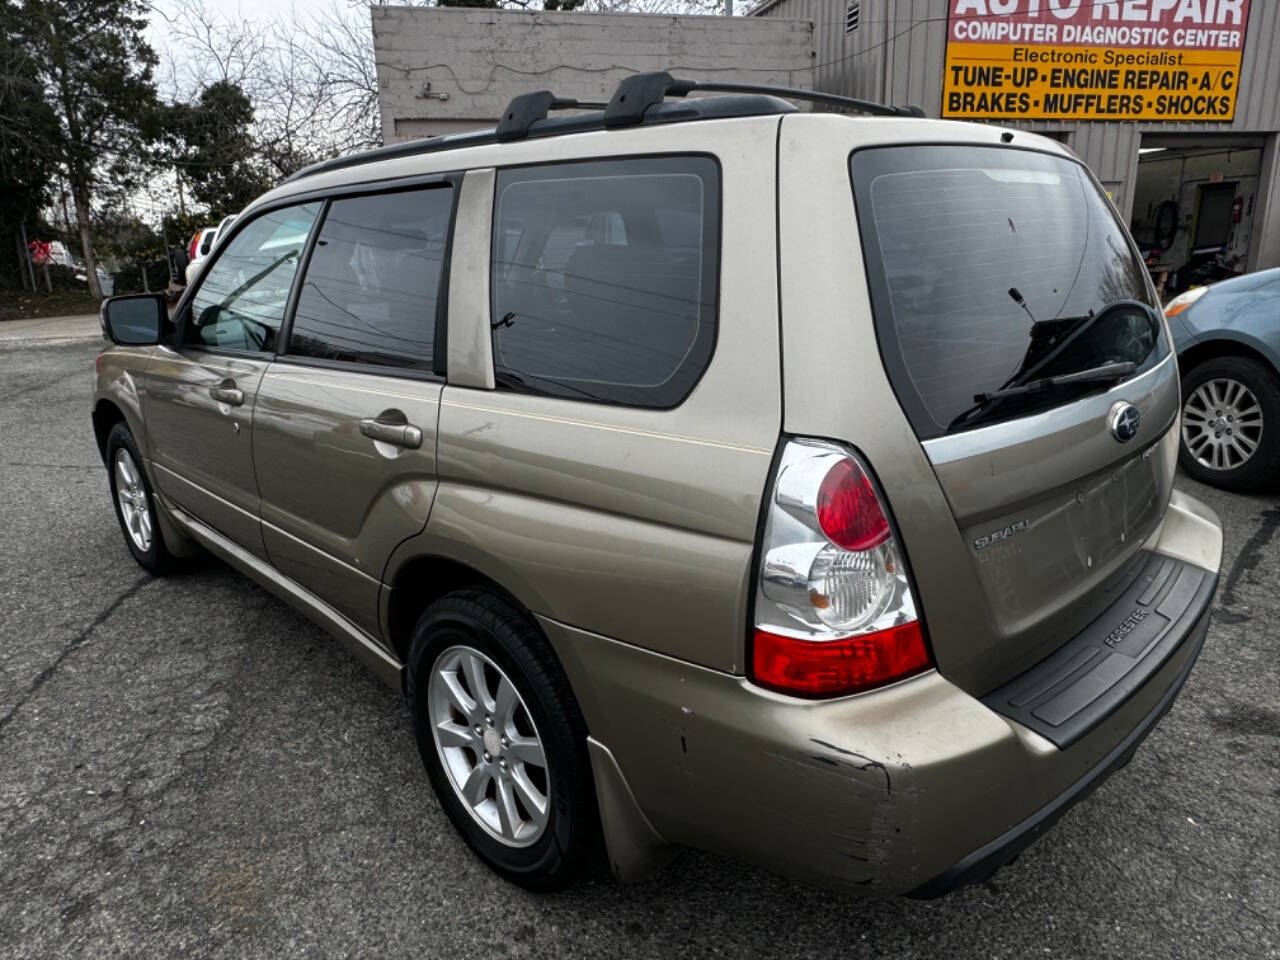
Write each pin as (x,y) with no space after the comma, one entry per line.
(156,557)
(1262,470)
(571,841)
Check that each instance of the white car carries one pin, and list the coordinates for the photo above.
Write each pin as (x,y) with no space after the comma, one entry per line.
(202,244)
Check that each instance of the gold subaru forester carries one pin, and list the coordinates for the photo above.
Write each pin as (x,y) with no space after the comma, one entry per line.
(702,471)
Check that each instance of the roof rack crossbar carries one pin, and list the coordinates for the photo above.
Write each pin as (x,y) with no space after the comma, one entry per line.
(637,93)
(528,108)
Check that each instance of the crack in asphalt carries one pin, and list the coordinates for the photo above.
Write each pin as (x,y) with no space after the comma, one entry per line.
(1250,554)
(44,385)
(52,466)
(72,645)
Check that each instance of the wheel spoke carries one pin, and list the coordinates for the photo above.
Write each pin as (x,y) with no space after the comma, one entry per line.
(504,710)
(535,802)
(526,750)
(474,787)
(508,815)
(451,734)
(1216,392)
(473,667)
(457,695)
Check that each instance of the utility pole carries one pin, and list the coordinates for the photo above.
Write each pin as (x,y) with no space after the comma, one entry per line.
(728,8)
(22,274)
(66,217)
(26,253)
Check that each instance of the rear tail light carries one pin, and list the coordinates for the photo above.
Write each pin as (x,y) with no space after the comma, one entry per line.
(191,247)
(834,610)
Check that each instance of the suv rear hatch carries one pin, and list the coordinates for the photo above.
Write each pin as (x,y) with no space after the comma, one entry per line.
(1025,345)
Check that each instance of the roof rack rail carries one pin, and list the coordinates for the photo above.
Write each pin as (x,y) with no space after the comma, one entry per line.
(640,98)
(639,92)
(527,108)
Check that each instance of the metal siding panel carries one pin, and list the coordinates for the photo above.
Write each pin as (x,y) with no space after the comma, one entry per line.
(914,62)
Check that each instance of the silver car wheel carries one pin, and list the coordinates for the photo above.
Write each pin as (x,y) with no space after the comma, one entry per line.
(489,746)
(131,494)
(1222,424)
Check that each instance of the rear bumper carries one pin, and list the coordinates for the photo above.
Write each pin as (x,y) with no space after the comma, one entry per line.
(915,788)
(991,856)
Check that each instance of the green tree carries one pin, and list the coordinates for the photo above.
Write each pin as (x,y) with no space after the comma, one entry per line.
(96,71)
(214,150)
(27,124)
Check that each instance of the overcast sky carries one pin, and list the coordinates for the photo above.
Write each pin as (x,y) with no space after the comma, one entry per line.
(257,10)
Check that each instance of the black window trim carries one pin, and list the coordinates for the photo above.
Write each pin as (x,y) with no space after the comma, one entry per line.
(324,195)
(877,292)
(716,283)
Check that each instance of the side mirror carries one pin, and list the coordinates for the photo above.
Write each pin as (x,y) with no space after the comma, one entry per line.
(136,320)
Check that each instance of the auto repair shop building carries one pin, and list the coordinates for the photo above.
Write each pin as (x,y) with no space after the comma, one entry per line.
(1174,104)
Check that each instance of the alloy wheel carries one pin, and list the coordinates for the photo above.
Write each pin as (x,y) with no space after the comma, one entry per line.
(489,746)
(131,494)
(1222,424)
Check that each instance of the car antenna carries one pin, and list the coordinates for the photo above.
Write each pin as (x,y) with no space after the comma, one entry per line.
(1017,298)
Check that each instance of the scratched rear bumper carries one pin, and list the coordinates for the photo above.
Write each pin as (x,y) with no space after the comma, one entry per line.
(982,862)
(877,794)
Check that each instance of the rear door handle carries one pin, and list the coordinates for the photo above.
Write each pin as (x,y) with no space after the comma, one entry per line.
(227,392)
(390,427)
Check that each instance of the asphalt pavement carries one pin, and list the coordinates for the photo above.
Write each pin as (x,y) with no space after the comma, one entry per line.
(188,767)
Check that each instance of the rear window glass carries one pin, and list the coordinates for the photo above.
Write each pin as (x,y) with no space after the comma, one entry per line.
(604,278)
(991,268)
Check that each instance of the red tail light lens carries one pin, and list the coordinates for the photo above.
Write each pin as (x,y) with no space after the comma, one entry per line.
(191,247)
(835,610)
(848,511)
(835,668)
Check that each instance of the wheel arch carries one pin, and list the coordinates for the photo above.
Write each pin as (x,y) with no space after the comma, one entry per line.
(106,414)
(1217,347)
(422,580)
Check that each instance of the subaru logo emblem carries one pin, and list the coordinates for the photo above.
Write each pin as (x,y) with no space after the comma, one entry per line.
(1124,421)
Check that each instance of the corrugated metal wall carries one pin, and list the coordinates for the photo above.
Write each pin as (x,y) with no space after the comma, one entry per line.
(896,55)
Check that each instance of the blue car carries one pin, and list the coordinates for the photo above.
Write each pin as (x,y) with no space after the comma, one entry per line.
(1227,337)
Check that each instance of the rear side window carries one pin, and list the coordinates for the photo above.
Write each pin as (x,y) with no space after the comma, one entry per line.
(371,288)
(991,268)
(604,278)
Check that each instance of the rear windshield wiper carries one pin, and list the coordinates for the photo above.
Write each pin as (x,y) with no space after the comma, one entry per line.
(983,401)
(1108,371)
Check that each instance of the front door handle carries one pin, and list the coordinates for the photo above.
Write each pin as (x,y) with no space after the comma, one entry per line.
(226,392)
(390,427)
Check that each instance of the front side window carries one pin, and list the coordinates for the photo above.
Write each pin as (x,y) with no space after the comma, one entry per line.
(604,278)
(242,296)
(995,271)
(373,282)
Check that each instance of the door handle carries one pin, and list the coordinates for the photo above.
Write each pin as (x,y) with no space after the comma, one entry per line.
(390,427)
(226,392)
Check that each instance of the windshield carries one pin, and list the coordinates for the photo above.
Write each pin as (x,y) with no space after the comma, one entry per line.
(991,267)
